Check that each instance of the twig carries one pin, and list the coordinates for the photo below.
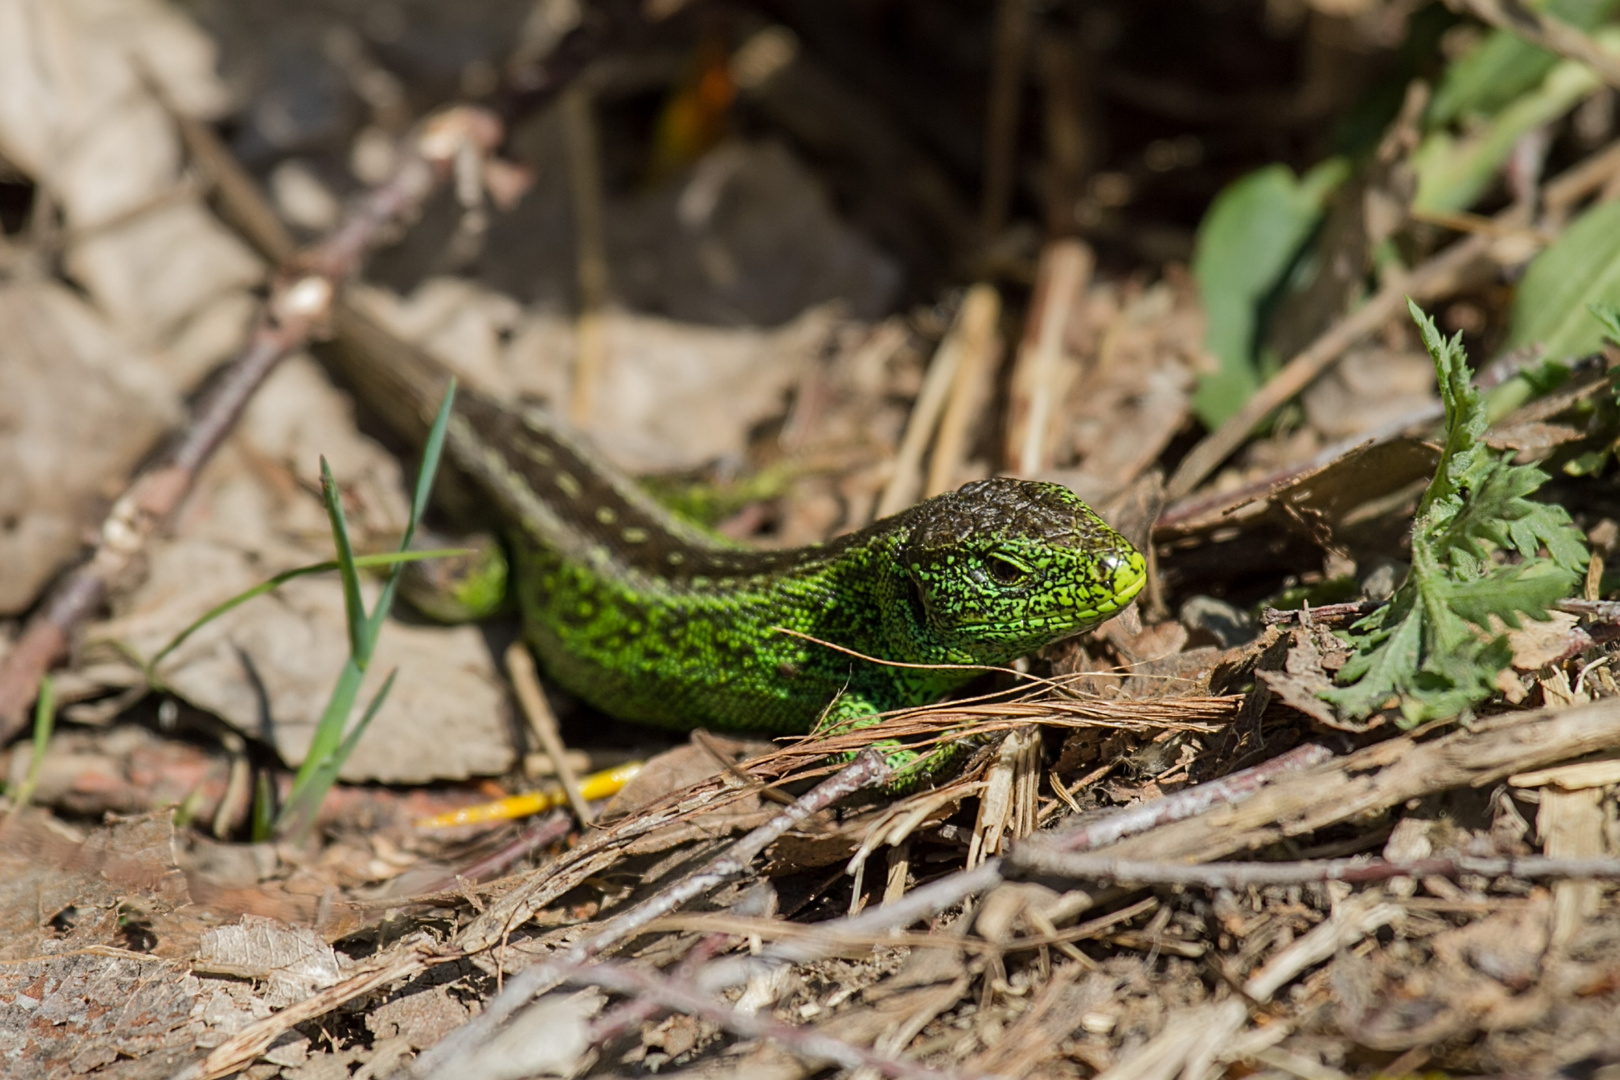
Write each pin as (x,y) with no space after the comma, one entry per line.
(1226,791)
(1384,775)
(683,995)
(1420,284)
(929,900)
(637,1011)
(542,833)
(444,1059)
(1554,35)
(1030,859)
(1327,615)
(1601,610)
(1059,280)
(299,306)
(903,483)
(1592,175)
(585,181)
(544,725)
(835,941)
(981,348)
(755,904)
(1206,504)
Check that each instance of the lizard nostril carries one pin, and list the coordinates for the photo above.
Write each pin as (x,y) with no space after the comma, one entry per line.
(1122,571)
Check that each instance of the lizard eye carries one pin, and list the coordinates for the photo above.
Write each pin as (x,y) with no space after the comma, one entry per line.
(1005,571)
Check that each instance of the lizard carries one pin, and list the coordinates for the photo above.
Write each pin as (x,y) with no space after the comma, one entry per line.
(652,619)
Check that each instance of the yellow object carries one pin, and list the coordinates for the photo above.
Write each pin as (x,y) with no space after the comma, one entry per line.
(599,785)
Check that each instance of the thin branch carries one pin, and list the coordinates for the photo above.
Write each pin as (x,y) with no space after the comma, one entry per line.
(685,996)
(1421,284)
(446,1058)
(1030,859)
(931,899)
(298,309)
(1226,791)
(543,723)
(631,1014)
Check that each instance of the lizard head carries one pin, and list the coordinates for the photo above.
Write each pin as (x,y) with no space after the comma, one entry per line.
(1002,567)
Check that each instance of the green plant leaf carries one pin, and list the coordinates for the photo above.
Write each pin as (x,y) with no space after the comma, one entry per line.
(1608,317)
(354,606)
(1433,650)
(1580,271)
(1503,65)
(1248,240)
(1454,171)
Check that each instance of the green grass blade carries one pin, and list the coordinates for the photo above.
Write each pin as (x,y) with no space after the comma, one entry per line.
(298,816)
(364,562)
(354,605)
(328,738)
(264,809)
(44,724)
(432,452)
(329,749)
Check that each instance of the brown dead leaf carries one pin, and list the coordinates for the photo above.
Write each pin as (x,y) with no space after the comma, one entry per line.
(1540,642)
(292,961)
(423,1017)
(78,408)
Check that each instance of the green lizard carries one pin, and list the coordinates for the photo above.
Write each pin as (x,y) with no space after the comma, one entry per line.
(651,619)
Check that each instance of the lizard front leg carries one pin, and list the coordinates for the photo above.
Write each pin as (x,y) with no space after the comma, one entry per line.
(851,711)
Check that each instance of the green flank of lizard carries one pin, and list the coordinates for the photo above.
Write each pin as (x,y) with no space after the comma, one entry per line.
(652,619)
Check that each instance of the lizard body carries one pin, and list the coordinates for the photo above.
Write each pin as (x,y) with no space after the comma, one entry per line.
(652,619)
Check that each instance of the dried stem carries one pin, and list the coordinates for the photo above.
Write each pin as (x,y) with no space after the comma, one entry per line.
(543,723)
(1421,284)
(1029,859)
(644,984)
(1226,791)
(981,348)
(1060,282)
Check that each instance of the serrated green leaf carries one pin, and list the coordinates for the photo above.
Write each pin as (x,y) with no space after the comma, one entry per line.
(1608,317)
(1509,592)
(1580,271)
(1375,675)
(1429,646)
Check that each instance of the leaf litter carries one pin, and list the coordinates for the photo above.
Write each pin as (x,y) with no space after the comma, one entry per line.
(776,301)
